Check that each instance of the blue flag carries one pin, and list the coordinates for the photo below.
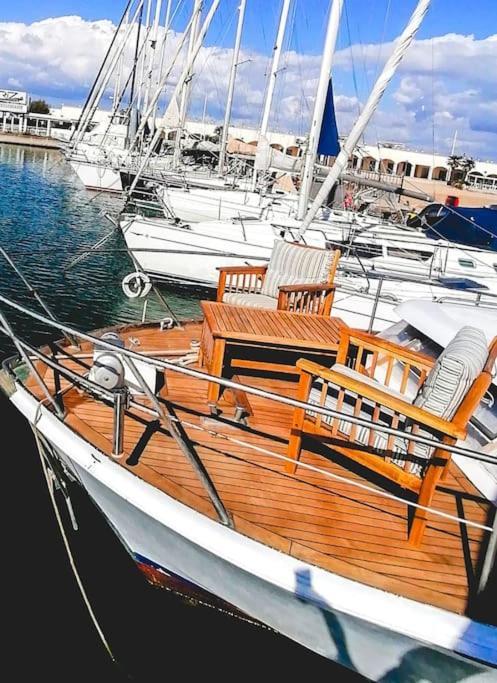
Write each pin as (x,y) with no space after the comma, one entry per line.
(328,138)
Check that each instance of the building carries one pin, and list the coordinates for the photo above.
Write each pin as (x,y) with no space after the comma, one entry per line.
(392,159)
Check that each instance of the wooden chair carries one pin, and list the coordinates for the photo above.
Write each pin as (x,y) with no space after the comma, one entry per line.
(297,278)
(377,380)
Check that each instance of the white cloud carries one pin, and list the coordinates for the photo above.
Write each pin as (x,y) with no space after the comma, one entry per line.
(444,84)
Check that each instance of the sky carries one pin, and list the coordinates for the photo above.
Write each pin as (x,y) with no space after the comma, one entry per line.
(446,83)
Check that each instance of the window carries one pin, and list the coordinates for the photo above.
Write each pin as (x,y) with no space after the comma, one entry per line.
(466,263)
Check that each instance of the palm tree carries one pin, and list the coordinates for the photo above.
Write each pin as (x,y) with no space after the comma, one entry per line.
(467,164)
(454,163)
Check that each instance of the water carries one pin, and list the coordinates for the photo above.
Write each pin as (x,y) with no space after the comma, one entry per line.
(45,216)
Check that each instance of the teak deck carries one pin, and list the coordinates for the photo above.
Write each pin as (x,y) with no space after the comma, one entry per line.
(332,524)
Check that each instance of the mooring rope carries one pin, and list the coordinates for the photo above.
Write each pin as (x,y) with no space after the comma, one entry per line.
(66,543)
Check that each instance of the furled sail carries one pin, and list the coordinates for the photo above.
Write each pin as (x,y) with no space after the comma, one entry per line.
(267,158)
(328,138)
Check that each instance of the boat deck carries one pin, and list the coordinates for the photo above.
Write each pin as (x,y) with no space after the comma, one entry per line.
(329,523)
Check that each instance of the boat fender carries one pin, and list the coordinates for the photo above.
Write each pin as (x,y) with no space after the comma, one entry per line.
(136,285)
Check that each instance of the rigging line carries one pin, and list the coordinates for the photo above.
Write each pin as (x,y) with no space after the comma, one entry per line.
(433,106)
(337,477)
(378,59)
(66,543)
(219,41)
(351,52)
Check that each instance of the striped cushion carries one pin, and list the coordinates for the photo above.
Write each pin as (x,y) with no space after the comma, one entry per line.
(457,367)
(252,300)
(291,264)
(450,379)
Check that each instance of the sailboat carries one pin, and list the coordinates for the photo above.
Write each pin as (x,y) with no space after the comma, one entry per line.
(230,464)
(409,262)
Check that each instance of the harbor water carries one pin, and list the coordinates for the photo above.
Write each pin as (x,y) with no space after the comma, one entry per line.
(46,218)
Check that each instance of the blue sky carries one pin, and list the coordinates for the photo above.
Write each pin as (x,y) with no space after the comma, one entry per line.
(445,16)
(448,82)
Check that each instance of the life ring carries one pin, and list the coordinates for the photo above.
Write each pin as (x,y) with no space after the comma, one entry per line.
(136,285)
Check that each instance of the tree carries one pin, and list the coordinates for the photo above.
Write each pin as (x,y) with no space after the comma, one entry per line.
(454,163)
(39,107)
(460,167)
(467,165)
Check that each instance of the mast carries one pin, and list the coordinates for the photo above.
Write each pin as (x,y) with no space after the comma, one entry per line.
(167,22)
(117,87)
(144,56)
(401,46)
(133,109)
(275,67)
(185,92)
(153,46)
(179,85)
(319,106)
(231,86)
(93,95)
(454,140)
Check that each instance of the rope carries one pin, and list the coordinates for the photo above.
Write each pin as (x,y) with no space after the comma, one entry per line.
(67,546)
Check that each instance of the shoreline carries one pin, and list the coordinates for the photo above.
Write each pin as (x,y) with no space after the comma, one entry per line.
(30,140)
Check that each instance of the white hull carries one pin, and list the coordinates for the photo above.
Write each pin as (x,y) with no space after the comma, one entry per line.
(186,258)
(380,635)
(95,176)
(197,204)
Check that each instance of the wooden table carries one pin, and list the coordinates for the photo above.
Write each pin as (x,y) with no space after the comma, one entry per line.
(241,326)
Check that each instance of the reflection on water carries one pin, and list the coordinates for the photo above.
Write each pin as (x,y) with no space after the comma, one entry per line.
(46,216)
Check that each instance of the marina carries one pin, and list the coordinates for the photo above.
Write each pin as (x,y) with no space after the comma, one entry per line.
(252,372)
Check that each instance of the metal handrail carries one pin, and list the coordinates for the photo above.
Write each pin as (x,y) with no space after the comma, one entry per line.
(121,400)
(203,376)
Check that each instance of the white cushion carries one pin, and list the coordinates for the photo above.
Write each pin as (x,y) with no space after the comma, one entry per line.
(252,300)
(292,264)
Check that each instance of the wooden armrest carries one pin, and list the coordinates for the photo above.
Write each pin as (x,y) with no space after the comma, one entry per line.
(243,269)
(383,398)
(319,287)
(401,352)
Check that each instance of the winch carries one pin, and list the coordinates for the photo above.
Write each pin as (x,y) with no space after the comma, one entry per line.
(108,370)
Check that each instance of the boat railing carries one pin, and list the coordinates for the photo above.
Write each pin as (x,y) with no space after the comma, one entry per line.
(122,400)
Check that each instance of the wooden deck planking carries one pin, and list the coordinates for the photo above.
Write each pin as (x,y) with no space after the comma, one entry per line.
(331,523)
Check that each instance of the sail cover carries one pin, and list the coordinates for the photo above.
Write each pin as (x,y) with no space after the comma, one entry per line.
(328,138)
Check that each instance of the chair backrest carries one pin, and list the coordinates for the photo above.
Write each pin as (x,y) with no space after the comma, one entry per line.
(293,264)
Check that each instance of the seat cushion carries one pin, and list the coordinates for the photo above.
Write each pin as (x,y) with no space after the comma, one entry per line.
(347,408)
(253,300)
(292,264)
